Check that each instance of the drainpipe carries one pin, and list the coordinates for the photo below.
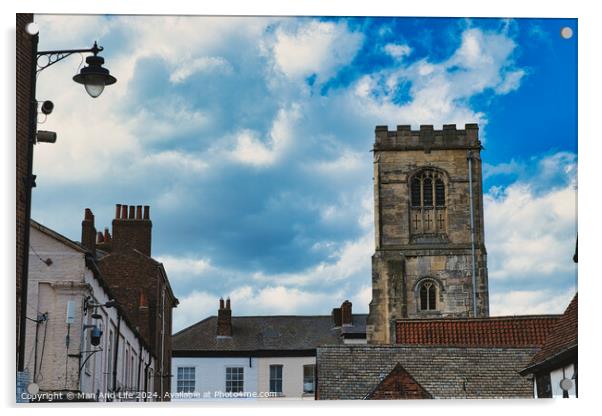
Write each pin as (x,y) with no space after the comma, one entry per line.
(472,237)
(162,372)
(146,374)
(139,364)
(116,352)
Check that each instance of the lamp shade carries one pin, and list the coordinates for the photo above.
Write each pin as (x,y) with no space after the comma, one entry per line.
(94,77)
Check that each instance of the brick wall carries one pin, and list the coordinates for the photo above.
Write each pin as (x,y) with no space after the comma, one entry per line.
(24,63)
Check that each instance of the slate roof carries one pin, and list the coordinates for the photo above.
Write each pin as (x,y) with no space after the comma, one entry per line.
(504,331)
(561,340)
(252,333)
(353,371)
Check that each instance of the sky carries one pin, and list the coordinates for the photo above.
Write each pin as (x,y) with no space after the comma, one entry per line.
(250,139)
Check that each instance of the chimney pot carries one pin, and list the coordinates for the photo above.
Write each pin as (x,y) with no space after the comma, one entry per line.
(146,212)
(336,317)
(128,233)
(224,319)
(117,210)
(346,314)
(88,239)
(99,238)
(107,236)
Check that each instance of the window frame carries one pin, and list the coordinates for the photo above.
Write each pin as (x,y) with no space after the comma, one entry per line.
(276,380)
(428,215)
(235,384)
(428,297)
(185,384)
(313,378)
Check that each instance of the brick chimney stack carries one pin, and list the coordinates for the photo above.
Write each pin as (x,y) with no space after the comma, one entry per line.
(89,232)
(132,229)
(346,316)
(224,319)
(336,317)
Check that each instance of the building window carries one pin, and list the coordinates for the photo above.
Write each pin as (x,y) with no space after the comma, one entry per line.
(186,380)
(276,379)
(428,296)
(309,378)
(427,200)
(234,379)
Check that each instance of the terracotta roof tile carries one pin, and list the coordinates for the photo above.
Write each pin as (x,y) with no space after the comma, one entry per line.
(562,337)
(506,331)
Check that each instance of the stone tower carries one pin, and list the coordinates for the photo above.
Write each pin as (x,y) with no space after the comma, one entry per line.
(428,251)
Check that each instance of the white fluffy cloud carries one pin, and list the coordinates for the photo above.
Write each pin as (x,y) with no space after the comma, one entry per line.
(529,234)
(525,302)
(319,48)
(250,150)
(438,90)
(397,50)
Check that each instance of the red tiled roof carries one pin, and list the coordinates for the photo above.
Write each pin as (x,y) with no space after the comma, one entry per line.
(505,331)
(562,338)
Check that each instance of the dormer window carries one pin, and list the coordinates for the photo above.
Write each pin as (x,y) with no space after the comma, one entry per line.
(428,214)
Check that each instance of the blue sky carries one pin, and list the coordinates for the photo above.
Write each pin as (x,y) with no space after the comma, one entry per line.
(250,138)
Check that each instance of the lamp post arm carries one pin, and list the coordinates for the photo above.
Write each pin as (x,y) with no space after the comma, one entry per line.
(59,55)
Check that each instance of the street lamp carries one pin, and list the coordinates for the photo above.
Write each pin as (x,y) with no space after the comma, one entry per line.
(94,78)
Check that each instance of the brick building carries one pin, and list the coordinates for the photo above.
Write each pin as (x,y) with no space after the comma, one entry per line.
(430,259)
(68,301)
(138,281)
(26,48)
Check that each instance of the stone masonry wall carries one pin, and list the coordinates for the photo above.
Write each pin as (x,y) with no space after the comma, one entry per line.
(402,258)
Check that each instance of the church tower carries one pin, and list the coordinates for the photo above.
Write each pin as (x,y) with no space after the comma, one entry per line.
(430,259)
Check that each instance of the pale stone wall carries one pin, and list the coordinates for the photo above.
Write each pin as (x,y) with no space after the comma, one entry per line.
(292,376)
(404,257)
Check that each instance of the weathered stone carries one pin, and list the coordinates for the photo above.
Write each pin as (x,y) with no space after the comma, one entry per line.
(426,242)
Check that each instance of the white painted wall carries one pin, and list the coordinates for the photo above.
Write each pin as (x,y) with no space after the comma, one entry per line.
(557,375)
(210,376)
(50,288)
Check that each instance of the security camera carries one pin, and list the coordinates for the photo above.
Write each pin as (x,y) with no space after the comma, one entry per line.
(45,136)
(47,107)
(95,336)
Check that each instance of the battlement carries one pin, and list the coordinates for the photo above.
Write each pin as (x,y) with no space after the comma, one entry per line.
(427,138)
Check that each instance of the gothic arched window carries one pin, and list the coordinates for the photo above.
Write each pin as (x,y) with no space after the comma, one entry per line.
(428,296)
(428,202)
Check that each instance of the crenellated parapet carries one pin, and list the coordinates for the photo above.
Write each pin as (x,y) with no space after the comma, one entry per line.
(427,138)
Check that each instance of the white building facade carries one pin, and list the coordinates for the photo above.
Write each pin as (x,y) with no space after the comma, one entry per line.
(79,344)
(256,357)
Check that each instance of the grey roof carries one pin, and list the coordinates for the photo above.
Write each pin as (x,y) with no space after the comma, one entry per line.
(352,372)
(251,333)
